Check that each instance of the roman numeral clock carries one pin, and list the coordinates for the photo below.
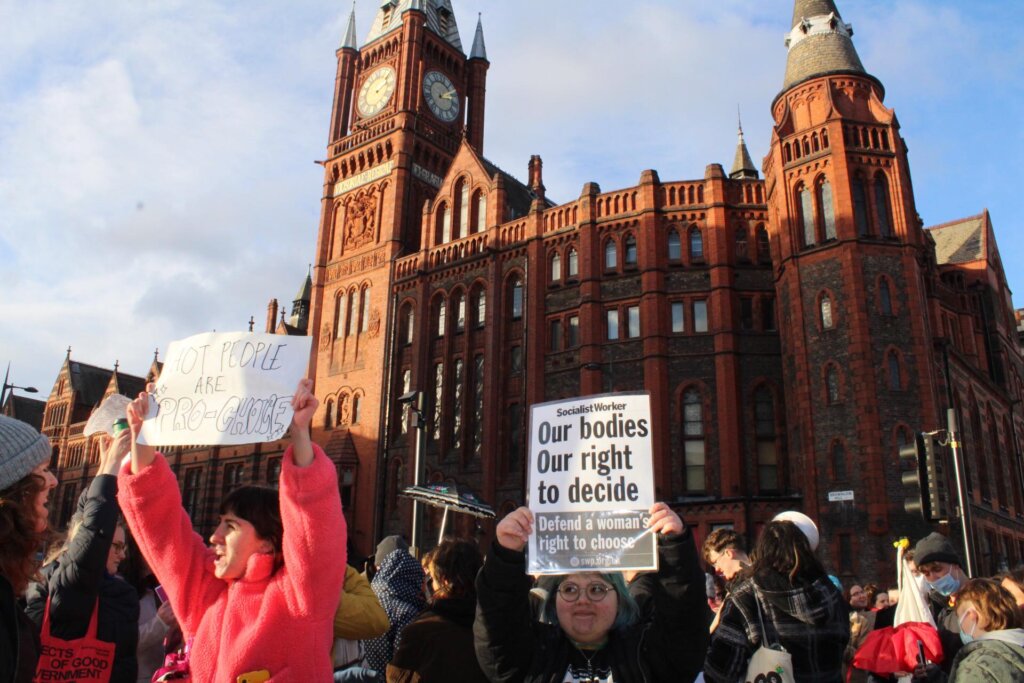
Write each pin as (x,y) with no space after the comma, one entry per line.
(441,95)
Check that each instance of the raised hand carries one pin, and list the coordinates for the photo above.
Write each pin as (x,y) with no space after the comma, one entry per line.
(142,455)
(513,532)
(112,450)
(304,404)
(664,520)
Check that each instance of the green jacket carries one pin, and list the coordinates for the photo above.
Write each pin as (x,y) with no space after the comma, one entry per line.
(996,656)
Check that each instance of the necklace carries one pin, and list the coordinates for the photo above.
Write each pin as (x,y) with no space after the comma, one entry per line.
(591,675)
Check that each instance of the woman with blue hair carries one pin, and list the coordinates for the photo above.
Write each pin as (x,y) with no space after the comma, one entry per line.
(595,630)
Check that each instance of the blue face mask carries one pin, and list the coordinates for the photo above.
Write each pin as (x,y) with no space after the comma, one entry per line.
(947,585)
(966,637)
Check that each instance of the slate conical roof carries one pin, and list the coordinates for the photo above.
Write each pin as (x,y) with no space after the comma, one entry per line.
(742,164)
(819,43)
(350,34)
(479,50)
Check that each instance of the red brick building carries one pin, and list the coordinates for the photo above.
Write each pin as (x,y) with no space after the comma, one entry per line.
(792,331)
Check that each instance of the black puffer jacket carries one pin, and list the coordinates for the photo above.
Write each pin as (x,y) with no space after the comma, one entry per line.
(79,576)
(19,643)
(668,643)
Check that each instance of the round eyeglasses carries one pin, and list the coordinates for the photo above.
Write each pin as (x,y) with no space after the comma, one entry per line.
(570,592)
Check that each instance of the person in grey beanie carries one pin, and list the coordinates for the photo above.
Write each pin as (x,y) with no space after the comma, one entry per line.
(939,563)
(25,485)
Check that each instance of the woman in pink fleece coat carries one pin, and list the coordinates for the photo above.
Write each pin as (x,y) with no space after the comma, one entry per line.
(249,613)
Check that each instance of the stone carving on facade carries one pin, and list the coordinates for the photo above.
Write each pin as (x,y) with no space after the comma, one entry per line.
(373,329)
(361,220)
(344,410)
(325,337)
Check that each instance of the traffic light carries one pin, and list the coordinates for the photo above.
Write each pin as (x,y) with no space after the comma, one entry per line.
(914,477)
(924,479)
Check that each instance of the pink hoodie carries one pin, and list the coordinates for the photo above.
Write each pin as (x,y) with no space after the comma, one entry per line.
(281,622)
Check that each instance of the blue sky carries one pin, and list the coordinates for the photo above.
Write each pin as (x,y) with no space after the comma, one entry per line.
(156,158)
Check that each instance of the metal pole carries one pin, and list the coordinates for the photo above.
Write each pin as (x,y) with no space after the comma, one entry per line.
(444,522)
(961,493)
(416,530)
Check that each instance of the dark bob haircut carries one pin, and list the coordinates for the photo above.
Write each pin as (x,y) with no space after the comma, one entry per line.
(261,507)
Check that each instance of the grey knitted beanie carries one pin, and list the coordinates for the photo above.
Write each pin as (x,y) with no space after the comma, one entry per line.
(22,449)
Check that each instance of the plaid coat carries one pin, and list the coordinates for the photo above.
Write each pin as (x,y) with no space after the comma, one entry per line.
(809,619)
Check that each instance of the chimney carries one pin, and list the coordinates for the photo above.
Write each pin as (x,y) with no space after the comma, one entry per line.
(537,176)
(271,316)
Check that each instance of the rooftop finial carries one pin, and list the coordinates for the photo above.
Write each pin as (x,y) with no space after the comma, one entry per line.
(350,35)
(742,165)
(252,322)
(479,50)
(156,354)
(117,366)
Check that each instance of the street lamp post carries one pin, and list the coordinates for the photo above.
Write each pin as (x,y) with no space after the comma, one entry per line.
(414,402)
(12,387)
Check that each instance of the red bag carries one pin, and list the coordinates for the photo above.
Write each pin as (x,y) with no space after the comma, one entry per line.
(893,650)
(84,659)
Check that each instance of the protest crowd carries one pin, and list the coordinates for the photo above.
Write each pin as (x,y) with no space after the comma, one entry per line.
(132,593)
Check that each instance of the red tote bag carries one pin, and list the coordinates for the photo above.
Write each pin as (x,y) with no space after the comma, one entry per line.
(87,659)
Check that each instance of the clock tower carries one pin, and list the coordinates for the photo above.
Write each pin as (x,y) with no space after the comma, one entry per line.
(403,102)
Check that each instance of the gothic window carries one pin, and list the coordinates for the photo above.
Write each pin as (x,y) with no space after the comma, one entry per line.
(787,154)
(357,404)
(807,216)
(364,317)
(838,460)
(611,254)
(515,360)
(460,312)
(516,297)
(457,405)
(574,331)
(832,384)
(764,253)
(828,218)
(860,206)
(884,297)
(675,247)
(438,411)
(461,227)
(882,209)
(556,267)
(895,380)
(406,387)
(478,405)
(825,307)
(696,244)
(443,224)
(329,415)
(573,263)
(630,249)
(339,316)
(700,316)
(408,323)
(767,443)
(481,307)
(351,314)
(824,138)
(481,212)
(612,323)
(693,441)
(741,243)
(440,316)
(814,142)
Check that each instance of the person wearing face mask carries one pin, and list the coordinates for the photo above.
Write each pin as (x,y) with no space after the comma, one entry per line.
(25,485)
(259,603)
(81,575)
(992,635)
(593,629)
(938,563)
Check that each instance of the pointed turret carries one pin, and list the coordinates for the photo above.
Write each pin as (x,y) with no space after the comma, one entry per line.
(742,165)
(819,43)
(350,35)
(479,50)
(300,304)
(439,13)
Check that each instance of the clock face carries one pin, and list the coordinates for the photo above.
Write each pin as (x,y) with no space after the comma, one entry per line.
(441,95)
(376,91)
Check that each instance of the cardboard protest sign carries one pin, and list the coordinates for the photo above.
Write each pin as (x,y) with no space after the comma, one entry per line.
(226,388)
(591,484)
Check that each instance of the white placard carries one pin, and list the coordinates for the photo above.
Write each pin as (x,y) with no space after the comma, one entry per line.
(591,484)
(840,496)
(226,388)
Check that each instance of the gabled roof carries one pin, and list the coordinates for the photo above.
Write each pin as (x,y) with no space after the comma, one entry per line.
(960,241)
(26,409)
(341,448)
(520,197)
(89,382)
(440,19)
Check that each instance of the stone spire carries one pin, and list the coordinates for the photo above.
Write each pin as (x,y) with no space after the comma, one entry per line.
(819,43)
(439,14)
(742,164)
(350,35)
(479,50)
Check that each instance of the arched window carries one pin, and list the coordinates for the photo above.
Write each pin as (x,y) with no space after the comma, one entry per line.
(459,308)
(630,249)
(611,254)
(764,252)
(573,263)
(438,404)
(357,404)
(515,291)
(838,460)
(693,441)
(767,444)
(828,218)
(481,307)
(884,297)
(556,267)
(443,224)
(408,321)
(364,316)
(860,206)
(742,254)
(675,247)
(457,404)
(895,379)
(696,244)
(807,216)
(351,314)
(329,415)
(440,316)
(882,209)
(462,227)
(827,322)
(481,212)
(339,316)
(832,384)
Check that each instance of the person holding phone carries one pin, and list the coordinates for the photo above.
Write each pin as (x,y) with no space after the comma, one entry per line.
(260,601)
